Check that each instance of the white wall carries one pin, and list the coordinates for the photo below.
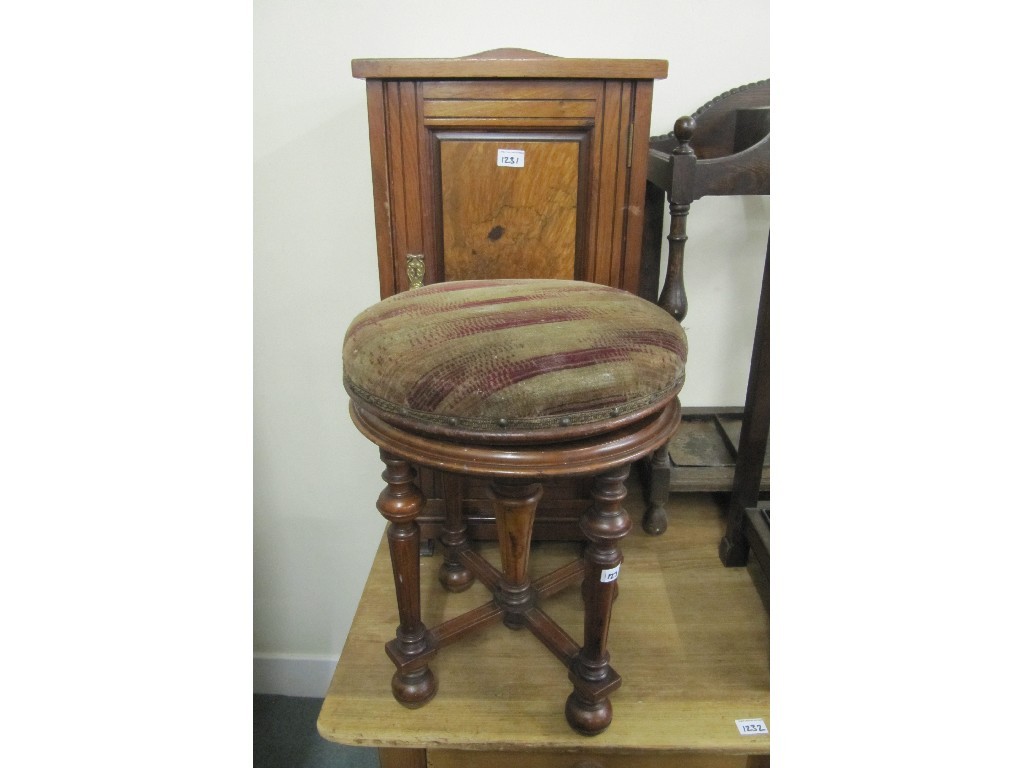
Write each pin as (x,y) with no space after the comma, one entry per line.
(316,479)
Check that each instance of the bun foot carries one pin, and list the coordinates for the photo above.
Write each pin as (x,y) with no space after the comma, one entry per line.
(655,520)
(585,718)
(455,579)
(414,689)
(732,553)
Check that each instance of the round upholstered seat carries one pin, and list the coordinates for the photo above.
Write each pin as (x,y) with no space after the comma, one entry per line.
(513,360)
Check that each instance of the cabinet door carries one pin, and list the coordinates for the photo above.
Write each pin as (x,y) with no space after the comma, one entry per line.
(509,205)
(451,205)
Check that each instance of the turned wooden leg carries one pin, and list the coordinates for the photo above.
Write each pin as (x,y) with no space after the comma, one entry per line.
(734,548)
(401,757)
(413,684)
(658,468)
(515,506)
(454,576)
(673,294)
(588,708)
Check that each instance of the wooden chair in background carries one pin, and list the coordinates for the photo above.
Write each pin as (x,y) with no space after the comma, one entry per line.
(722,149)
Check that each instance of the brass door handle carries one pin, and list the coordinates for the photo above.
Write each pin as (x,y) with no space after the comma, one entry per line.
(415,269)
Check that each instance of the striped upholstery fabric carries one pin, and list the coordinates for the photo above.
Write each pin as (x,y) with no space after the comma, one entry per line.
(513,356)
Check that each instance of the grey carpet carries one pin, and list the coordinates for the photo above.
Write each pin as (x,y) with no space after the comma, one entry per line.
(284,736)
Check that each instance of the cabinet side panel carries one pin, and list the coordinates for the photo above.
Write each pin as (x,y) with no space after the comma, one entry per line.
(396,183)
(375,108)
(429,195)
(410,169)
(631,262)
(617,244)
(593,187)
(605,246)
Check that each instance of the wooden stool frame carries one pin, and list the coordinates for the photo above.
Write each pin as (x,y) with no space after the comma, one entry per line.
(516,474)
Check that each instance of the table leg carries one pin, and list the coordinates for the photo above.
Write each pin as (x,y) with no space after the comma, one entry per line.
(397,757)
(413,684)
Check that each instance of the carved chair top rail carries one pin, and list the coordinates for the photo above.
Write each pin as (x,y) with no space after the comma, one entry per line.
(715,121)
(723,149)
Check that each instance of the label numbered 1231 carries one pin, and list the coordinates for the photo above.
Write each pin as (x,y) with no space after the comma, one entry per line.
(511,158)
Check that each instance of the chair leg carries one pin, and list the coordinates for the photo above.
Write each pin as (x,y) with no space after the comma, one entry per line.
(656,486)
(413,684)
(734,548)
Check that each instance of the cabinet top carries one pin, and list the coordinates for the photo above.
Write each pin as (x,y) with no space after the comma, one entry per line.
(510,63)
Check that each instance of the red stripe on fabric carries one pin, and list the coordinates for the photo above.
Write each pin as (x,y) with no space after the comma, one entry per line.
(487,379)
(656,338)
(418,304)
(459,285)
(435,385)
(404,308)
(470,326)
(504,376)
(410,309)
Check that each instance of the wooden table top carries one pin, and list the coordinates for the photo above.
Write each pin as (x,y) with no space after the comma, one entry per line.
(688,636)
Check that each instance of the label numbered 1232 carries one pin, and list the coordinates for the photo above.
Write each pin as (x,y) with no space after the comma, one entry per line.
(752,727)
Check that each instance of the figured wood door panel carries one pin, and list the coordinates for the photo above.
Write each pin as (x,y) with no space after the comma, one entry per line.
(509,222)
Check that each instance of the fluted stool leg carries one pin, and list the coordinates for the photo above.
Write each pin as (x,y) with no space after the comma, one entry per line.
(454,576)
(413,683)
(515,507)
(588,708)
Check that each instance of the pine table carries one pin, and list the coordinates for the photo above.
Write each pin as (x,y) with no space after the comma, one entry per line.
(689,637)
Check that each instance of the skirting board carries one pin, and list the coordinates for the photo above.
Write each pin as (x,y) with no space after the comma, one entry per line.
(289,674)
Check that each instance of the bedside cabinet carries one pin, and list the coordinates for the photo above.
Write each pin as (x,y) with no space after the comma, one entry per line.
(508,164)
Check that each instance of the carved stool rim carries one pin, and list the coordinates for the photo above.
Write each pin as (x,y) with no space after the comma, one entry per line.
(542,459)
